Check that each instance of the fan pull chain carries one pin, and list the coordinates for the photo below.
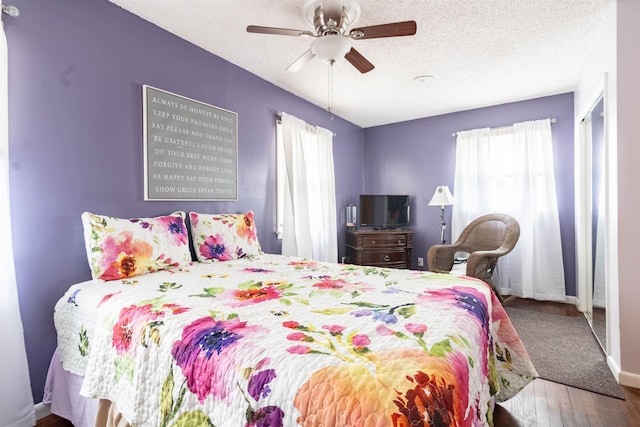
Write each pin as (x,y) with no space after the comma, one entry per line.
(330,88)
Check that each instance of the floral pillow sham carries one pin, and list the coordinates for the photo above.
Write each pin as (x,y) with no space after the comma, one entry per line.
(224,237)
(119,248)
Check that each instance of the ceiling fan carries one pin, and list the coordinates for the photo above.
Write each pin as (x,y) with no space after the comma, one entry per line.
(332,37)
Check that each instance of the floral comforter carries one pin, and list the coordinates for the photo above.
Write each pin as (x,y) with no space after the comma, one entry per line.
(276,341)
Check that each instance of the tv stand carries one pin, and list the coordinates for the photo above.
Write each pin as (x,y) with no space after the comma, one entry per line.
(380,248)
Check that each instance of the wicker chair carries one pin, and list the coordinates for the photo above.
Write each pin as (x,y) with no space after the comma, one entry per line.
(486,239)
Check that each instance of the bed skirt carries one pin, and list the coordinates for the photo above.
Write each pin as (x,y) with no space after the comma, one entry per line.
(109,416)
(62,393)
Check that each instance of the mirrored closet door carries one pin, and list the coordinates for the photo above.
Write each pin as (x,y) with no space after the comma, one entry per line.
(594,138)
(598,211)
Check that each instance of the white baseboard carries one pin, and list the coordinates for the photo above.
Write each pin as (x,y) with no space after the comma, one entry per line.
(571,300)
(42,410)
(613,366)
(629,379)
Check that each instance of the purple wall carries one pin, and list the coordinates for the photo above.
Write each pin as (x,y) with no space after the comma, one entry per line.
(416,156)
(75,110)
(75,115)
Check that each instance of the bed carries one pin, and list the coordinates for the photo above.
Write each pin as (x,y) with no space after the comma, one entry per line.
(244,338)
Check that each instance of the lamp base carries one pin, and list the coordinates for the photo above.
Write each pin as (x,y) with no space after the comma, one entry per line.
(444,226)
(351,216)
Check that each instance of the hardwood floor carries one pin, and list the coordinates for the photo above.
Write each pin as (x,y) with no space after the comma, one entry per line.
(53,421)
(542,403)
(545,403)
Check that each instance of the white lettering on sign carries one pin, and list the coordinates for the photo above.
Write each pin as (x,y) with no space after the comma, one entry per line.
(159,113)
(163,101)
(170,165)
(170,177)
(190,147)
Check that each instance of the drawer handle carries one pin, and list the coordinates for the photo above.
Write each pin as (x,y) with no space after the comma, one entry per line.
(386,258)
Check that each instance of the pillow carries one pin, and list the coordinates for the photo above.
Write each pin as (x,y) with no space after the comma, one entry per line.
(224,237)
(120,248)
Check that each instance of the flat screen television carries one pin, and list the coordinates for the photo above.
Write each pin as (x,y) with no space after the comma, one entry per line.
(384,211)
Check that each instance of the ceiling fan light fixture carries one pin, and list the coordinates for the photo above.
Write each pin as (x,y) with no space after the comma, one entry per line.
(331,47)
(331,20)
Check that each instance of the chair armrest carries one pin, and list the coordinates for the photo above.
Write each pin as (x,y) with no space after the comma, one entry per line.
(440,258)
(478,264)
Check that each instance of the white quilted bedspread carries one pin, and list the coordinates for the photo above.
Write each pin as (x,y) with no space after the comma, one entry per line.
(276,341)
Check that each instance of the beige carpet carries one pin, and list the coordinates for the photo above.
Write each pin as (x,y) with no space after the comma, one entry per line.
(564,350)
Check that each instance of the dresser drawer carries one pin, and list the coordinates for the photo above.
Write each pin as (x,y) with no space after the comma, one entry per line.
(384,241)
(390,249)
(384,257)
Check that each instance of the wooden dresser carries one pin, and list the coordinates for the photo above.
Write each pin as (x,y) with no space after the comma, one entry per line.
(379,248)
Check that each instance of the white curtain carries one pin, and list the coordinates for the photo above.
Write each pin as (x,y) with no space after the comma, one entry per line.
(309,228)
(510,170)
(16,403)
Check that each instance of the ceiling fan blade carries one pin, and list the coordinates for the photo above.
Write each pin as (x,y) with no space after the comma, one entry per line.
(301,61)
(360,62)
(278,31)
(405,28)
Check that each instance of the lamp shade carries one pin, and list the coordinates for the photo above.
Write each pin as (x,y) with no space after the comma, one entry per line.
(441,197)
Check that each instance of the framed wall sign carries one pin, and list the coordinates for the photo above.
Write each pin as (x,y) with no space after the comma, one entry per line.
(190,148)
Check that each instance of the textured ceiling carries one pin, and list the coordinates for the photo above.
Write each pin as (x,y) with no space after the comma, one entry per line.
(479,52)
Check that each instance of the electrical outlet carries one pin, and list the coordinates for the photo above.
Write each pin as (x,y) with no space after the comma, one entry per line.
(420,261)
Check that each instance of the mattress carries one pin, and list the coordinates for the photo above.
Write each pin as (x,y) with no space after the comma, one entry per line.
(283,341)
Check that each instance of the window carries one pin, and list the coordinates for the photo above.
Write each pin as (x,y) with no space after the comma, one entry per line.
(306,206)
(510,170)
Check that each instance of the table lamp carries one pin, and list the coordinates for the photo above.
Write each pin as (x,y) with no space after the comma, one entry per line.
(442,197)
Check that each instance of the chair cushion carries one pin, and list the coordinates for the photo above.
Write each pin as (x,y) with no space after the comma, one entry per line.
(459,269)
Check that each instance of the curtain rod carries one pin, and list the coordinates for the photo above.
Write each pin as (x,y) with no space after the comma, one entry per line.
(454,134)
(280,113)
